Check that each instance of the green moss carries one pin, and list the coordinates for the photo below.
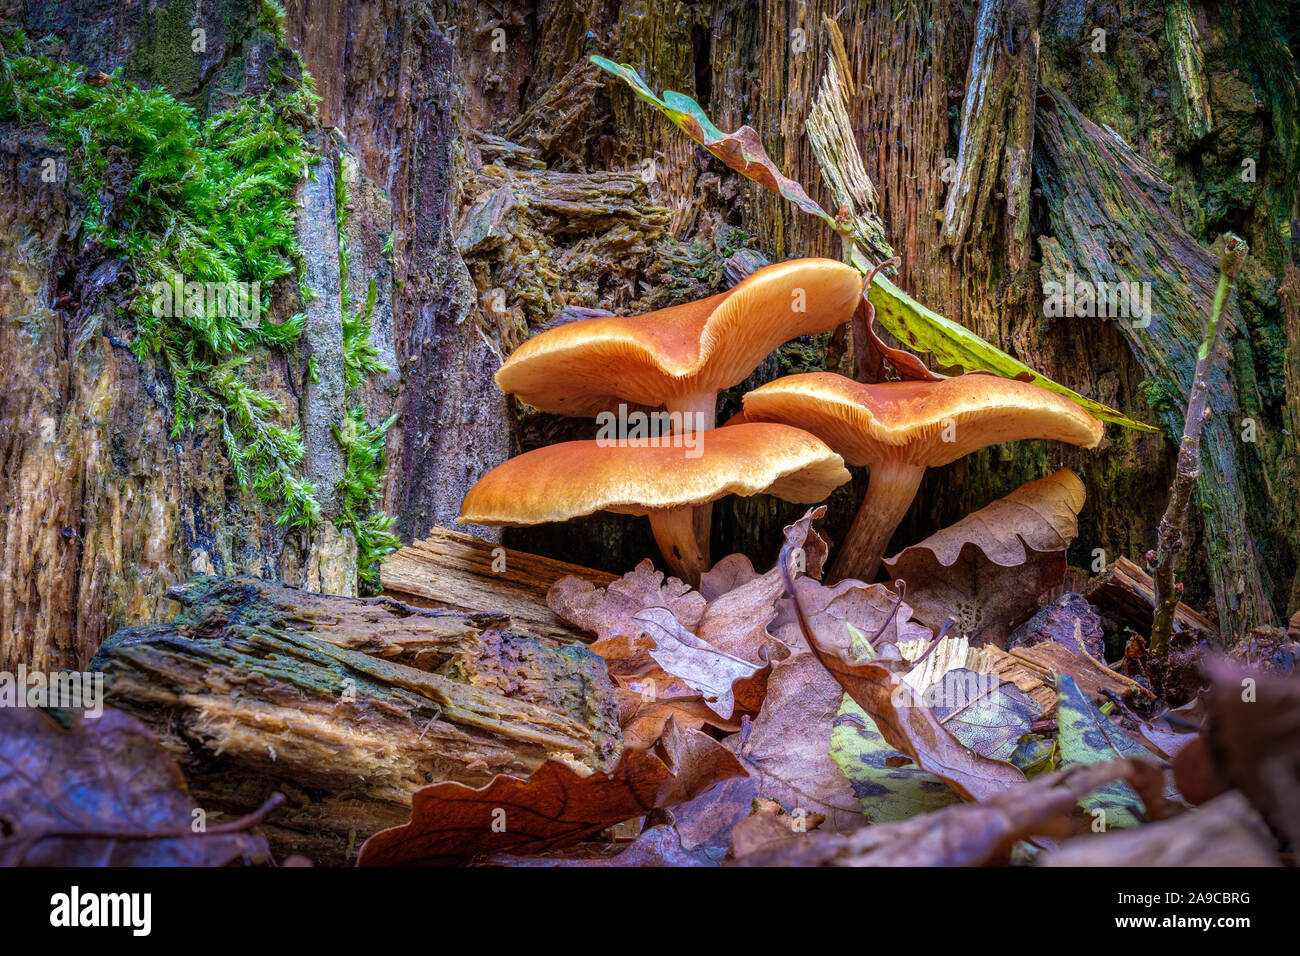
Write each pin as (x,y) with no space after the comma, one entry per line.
(1159,395)
(187,199)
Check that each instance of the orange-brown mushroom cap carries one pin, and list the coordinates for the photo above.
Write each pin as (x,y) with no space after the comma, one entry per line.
(920,423)
(590,366)
(577,478)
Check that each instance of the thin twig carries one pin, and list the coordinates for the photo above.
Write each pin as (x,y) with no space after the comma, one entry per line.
(1169,540)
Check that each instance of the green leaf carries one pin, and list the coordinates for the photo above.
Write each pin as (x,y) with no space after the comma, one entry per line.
(1088,736)
(742,150)
(886,782)
(922,329)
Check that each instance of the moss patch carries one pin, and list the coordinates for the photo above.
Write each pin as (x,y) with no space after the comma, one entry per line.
(202,210)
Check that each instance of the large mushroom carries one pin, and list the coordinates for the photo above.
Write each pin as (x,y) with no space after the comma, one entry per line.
(680,358)
(660,480)
(899,429)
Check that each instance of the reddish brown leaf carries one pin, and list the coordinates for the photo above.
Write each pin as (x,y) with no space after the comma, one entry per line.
(870,351)
(787,749)
(104,793)
(646,721)
(873,609)
(1253,740)
(553,808)
(737,621)
(710,671)
(658,846)
(670,646)
(1225,832)
(903,719)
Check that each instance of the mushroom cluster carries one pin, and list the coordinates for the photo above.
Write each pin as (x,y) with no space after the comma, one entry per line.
(676,359)
(792,440)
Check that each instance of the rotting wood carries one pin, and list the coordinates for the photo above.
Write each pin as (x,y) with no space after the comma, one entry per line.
(455,570)
(995,145)
(348,706)
(1125,595)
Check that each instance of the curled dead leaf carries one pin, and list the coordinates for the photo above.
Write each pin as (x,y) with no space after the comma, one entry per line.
(555,807)
(988,571)
(103,792)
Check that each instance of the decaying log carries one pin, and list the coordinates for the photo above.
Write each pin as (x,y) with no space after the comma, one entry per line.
(1125,594)
(453,570)
(1112,222)
(348,706)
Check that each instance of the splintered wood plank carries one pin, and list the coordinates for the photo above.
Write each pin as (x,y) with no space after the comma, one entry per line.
(1126,594)
(1032,681)
(454,570)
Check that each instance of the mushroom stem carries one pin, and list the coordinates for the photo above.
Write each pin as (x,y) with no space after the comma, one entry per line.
(698,414)
(674,531)
(890,492)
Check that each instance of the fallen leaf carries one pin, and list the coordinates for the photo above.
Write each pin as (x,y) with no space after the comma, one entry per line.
(914,729)
(553,808)
(658,846)
(1253,739)
(901,716)
(737,621)
(1166,737)
(888,784)
(733,571)
(104,793)
(872,609)
(646,722)
(769,823)
(968,834)
(987,571)
(787,749)
(673,650)
(1225,832)
(607,612)
(987,715)
(704,824)
(683,655)
(1087,736)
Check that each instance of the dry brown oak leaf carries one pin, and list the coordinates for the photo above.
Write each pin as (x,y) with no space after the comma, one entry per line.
(555,807)
(988,570)
(971,834)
